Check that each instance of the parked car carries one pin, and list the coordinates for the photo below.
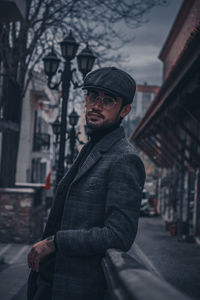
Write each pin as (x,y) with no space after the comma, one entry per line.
(145,205)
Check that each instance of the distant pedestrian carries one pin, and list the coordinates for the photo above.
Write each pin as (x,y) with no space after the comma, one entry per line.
(97,202)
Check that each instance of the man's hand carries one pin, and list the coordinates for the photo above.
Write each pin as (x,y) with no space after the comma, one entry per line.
(39,251)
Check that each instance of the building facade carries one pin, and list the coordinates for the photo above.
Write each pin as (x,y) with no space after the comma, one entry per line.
(23,207)
(36,148)
(143,97)
(169,132)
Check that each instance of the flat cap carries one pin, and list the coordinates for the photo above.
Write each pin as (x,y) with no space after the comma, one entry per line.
(112,80)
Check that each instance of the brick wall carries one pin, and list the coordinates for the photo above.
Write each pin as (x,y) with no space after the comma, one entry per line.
(21,215)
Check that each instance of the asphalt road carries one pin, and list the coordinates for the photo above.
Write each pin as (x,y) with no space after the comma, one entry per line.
(177,262)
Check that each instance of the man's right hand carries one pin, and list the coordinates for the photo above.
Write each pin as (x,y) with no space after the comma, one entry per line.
(39,251)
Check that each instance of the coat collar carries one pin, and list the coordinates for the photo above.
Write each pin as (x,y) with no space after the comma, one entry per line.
(99,149)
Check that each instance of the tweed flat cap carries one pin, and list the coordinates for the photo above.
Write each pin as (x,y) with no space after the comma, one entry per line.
(113,80)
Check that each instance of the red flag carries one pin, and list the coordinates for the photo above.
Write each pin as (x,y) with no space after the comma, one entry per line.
(48,182)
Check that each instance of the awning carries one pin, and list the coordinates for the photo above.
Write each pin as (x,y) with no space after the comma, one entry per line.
(169,131)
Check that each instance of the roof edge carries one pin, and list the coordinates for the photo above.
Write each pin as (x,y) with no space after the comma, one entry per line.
(164,90)
(176,27)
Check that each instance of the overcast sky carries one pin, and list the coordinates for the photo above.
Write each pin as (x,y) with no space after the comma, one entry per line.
(144,64)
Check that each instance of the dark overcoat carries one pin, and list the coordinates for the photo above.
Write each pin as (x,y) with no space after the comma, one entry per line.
(100,210)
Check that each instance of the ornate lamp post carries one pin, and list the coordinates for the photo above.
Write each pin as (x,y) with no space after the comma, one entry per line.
(56,128)
(73,120)
(86,60)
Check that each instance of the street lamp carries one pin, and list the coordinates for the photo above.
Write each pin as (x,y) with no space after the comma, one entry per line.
(51,63)
(73,118)
(85,60)
(56,128)
(73,121)
(69,48)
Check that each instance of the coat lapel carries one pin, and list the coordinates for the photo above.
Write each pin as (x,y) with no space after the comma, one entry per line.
(90,161)
(95,155)
(99,149)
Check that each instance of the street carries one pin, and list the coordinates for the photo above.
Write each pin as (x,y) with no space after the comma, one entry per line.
(176,262)
(173,261)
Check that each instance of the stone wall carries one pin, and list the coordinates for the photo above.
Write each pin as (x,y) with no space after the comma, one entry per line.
(21,215)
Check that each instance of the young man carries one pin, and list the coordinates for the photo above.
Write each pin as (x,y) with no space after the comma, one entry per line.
(97,202)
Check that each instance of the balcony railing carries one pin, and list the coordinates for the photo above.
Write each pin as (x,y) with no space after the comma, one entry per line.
(41,142)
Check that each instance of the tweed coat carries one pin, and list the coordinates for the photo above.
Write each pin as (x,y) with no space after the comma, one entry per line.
(101,211)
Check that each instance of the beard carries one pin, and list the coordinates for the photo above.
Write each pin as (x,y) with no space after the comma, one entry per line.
(103,127)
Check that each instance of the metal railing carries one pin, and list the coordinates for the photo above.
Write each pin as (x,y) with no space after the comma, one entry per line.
(128,279)
(41,142)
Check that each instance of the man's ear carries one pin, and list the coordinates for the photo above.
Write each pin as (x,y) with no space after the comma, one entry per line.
(125,110)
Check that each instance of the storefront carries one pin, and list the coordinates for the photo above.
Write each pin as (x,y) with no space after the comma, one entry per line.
(169,133)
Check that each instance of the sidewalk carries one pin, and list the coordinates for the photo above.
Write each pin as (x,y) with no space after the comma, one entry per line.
(176,262)
(13,269)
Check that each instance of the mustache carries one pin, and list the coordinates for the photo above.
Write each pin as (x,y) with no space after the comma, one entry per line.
(91,112)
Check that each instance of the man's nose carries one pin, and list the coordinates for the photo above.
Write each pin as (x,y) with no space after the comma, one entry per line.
(98,104)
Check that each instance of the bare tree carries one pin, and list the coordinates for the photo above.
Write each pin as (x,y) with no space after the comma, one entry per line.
(47,21)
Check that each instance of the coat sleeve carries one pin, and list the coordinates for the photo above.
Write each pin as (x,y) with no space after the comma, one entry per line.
(125,185)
